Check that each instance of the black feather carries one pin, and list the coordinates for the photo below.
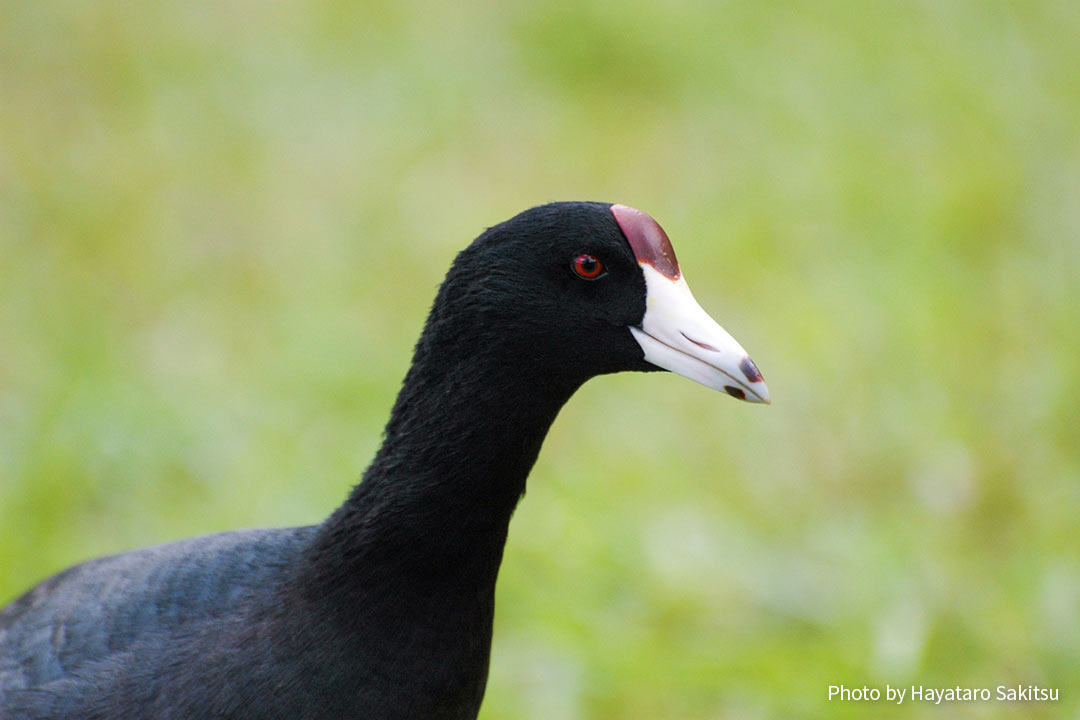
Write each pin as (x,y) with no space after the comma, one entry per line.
(384,610)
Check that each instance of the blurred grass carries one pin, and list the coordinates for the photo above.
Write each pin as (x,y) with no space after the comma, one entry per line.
(221,227)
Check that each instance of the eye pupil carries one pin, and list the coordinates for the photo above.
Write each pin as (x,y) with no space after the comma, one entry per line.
(588,267)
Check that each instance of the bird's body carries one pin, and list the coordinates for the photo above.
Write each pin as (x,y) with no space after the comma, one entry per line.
(385,610)
(148,640)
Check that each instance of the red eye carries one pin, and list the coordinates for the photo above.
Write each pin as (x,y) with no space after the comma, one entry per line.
(588,267)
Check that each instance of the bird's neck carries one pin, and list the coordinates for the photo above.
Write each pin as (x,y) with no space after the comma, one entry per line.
(433,509)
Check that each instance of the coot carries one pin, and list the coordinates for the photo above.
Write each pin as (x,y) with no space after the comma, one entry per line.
(384,610)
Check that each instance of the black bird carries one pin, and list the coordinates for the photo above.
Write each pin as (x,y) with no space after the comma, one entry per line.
(383,611)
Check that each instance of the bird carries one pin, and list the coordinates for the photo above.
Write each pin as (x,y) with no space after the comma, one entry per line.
(384,611)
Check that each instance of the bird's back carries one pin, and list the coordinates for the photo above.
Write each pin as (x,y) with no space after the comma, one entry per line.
(99,608)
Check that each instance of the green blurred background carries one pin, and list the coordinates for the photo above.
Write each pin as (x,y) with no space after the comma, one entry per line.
(221,226)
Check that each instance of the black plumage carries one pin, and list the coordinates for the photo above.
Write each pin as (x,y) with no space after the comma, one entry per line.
(384,610)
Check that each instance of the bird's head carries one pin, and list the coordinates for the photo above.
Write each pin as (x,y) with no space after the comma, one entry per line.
(580,289)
